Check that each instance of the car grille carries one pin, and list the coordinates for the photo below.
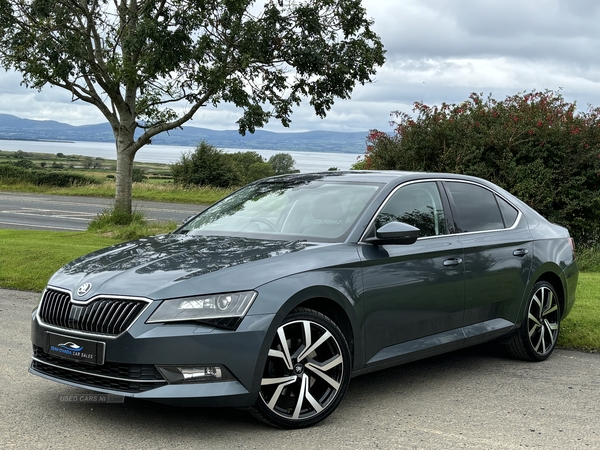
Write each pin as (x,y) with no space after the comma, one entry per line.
(119,377)
(109,316)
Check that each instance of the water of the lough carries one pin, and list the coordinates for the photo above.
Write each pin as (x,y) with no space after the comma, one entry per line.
(169,154)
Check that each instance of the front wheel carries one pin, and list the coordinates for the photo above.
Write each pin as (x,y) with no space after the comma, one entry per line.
(306,373)
(538,334)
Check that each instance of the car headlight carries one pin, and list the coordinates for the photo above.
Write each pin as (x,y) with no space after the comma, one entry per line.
(224,310)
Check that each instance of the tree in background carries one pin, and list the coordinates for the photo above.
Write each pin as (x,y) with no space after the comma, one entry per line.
(282,163)
(250,166)
(148,66)
(534,145)
(206,165)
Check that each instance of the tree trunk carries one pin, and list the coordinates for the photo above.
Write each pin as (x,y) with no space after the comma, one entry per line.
(124,175)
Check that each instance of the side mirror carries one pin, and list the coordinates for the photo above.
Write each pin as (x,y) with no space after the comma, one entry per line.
(395,233)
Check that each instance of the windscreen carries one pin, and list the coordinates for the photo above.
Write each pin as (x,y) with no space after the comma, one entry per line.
(302,209)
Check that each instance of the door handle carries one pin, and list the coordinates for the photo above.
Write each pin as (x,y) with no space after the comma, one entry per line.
(520,252)
(452,262)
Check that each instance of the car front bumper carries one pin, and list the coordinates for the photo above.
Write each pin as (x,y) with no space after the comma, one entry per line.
(129,364)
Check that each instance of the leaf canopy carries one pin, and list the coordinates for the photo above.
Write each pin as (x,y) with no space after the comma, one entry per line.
(152,64)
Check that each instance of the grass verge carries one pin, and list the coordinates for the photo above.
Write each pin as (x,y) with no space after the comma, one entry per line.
(581,329)
(35,255)
(166,192)
(112,223)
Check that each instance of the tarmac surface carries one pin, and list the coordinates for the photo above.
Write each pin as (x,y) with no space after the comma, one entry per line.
(64,213)
(476,398)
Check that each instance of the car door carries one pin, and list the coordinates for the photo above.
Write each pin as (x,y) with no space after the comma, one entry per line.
(498,251)
(417,290)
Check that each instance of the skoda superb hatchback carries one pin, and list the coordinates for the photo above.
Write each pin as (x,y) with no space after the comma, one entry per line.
(274,297)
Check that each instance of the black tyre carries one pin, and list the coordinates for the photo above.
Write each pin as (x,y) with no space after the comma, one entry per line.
(307,371)
(539,331)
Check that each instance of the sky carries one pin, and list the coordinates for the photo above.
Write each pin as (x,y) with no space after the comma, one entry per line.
(437,51)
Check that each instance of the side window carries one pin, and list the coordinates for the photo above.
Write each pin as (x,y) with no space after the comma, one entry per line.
(416,204)
(476,207)
(509,214)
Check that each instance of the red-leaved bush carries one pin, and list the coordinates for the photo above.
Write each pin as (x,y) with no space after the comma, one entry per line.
(535,145)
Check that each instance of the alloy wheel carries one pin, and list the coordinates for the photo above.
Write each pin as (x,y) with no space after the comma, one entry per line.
(543,320)
(305,372)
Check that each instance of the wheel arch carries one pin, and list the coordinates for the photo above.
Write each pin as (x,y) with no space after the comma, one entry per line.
(557,284)
(337,306)
(337,314)
(334,303)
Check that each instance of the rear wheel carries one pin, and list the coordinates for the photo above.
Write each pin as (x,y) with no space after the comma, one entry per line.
(307,371)
(538,334)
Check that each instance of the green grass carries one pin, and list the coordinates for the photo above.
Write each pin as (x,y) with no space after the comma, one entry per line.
(158,187)
(34,256)
(112,223)
(581,329)
(159,192)
(589,258)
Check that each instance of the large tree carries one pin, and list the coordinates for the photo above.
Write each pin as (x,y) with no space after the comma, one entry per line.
(148,66)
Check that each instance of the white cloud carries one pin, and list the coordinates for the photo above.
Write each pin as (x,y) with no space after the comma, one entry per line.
(437,51)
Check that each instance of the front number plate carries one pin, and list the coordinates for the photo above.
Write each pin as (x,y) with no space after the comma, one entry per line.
(75,349)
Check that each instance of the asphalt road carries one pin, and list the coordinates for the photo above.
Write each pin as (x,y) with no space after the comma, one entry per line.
(475,398)
(65,213)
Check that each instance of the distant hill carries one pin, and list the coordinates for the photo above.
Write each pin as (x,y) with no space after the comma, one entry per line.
(12,127)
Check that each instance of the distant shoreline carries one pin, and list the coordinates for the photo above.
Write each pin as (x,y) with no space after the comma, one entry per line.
(169,154)
(60,141)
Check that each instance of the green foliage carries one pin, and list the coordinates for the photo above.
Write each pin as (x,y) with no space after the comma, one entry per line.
(138,175)
(533,144)
(11,173)
(243,160)
(581,329)
(133,62)
(24,163)
(208,166)
(362,164)
(205,166)
(282,163)
(115,216)
(250,166)
(88,162)
(260,170)
(588,258)
(121,225)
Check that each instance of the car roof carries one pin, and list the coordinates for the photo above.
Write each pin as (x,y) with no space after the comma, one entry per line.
(379,176)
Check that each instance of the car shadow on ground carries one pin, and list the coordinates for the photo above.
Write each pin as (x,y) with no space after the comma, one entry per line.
(412,379)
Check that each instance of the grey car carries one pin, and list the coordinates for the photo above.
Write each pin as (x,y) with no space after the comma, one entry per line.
(274,297)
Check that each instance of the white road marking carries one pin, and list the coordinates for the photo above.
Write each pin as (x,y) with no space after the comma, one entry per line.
(55,216)
(42,226)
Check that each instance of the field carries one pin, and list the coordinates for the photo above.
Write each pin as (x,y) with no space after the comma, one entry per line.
(156,186)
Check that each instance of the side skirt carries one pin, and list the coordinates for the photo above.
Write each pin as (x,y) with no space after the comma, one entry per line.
(436,344)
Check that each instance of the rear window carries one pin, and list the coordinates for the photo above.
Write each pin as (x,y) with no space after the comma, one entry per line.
(476,207)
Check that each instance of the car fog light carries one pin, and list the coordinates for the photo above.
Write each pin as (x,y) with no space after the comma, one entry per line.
(195,374)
